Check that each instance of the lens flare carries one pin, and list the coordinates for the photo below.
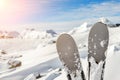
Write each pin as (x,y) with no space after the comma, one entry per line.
(3,4)
(12,11)
(18,11)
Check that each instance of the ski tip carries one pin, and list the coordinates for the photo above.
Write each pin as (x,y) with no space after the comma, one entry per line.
(100,23)
(63,35)
(98,41)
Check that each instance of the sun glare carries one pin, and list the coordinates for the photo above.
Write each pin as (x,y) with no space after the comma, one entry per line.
(15,11)
(2,4)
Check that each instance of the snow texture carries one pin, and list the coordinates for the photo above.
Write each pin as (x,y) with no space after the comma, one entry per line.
(37,52)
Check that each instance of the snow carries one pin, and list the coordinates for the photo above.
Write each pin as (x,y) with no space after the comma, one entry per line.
(96,69)
(30,77)
(106,21)
(80,29)
(102,43)
(37,52)
(10,34)
(34,34)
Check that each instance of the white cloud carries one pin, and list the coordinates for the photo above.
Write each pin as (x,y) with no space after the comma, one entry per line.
(90,13)
(107,9)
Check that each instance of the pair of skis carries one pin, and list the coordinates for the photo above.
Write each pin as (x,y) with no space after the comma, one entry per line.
(97,46)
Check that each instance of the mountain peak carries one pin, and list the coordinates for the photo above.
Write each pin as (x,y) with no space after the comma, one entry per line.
(52,32)
(80,29)
(105,20)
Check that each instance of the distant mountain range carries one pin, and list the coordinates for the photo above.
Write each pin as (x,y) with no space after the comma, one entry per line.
(34,34)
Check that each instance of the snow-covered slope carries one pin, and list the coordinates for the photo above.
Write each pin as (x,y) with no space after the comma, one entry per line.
(33,34)
(40,60)
(80,34)
(82,28)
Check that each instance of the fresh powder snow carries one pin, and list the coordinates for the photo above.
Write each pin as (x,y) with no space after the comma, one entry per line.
(36,51)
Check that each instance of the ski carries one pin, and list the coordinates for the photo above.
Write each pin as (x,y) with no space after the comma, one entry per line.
(69,56)
(97,45)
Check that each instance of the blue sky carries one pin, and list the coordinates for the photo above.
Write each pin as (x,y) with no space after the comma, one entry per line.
(61,15)
(52,11)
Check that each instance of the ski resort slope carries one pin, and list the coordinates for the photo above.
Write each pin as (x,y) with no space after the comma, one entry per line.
(39,56)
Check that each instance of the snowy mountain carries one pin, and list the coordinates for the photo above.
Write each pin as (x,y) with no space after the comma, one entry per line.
(9,34)
(53,33)
(80,29)
(13,34)
(106,21)
(33,34)
(37,57)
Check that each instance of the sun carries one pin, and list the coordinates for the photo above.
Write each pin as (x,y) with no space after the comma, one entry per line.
(3,4)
